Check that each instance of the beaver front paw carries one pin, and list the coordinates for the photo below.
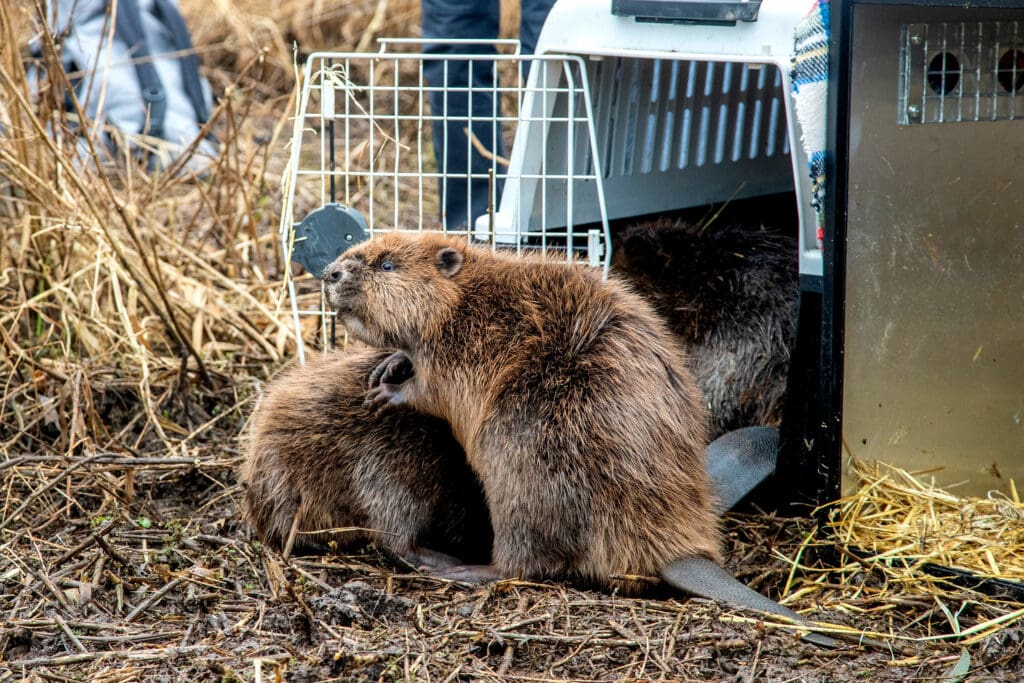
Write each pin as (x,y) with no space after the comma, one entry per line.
(395,369)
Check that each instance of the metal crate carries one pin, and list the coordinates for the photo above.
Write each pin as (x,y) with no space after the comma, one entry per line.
(928,367)
(955,71)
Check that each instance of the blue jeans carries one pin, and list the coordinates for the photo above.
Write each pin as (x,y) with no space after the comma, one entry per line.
(464,199)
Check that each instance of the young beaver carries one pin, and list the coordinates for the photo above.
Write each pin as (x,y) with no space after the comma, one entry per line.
(571,398)
(319,458)
(730,293)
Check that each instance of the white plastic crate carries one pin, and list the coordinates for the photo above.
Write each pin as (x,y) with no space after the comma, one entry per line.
(686,114)
(618,118)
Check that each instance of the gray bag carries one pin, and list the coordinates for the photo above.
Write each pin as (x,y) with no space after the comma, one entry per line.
(143,86)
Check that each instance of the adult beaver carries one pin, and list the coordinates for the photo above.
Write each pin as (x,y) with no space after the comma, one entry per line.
(573,401)
(729,292)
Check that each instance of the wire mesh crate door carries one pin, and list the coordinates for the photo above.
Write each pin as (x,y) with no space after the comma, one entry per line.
(554,192)
(399,140)
(961,71)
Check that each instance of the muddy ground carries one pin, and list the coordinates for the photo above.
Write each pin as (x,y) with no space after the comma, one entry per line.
(173,586)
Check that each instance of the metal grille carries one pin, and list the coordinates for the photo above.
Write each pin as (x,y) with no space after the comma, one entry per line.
(961,71)
(362,138)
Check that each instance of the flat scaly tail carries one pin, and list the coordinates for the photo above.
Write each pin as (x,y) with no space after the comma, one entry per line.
(703,578)
(738,461)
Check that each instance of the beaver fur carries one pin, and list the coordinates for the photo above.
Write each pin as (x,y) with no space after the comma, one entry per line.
(730,293)
(572,399)
(317,451)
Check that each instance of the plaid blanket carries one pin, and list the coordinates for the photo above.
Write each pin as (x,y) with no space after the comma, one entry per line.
(810,95)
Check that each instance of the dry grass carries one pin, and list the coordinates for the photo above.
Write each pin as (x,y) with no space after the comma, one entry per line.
(904,520)
(899,535)
(140,313)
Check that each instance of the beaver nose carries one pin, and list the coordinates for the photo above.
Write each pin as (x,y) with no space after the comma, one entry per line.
(332,273)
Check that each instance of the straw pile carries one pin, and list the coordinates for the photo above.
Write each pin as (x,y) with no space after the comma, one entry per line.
(139,314)
(901,521)
(899,535)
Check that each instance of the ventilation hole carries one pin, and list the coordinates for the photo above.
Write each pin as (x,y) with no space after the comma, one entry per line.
(755,129)
(702,139)
(684,138)
(773,126)
(1010,70)
(632,117)
(943,73)
(709,79)
(649,138)
(673,81)
(666,149)
(721,133)
(737,131)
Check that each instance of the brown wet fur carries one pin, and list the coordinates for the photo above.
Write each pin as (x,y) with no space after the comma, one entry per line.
(317,450)
(572,399)
(730,292)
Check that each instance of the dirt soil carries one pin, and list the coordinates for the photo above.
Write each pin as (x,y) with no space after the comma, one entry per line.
(174,587)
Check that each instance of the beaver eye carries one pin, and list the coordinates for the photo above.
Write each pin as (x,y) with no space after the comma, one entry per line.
(387,266)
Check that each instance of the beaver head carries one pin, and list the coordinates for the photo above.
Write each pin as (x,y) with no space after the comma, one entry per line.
(390,290)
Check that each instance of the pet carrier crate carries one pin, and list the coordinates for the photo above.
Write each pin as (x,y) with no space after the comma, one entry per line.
(691,103)
(923,293)
(617,115)
(668,129)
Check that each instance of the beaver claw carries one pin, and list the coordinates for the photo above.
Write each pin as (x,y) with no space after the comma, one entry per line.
(384,398)
(394,369)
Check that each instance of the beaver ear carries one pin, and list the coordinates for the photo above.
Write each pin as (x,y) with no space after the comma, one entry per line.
(449,260)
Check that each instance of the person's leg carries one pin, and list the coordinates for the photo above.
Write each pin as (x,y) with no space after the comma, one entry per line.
(462,198)
(534,12)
